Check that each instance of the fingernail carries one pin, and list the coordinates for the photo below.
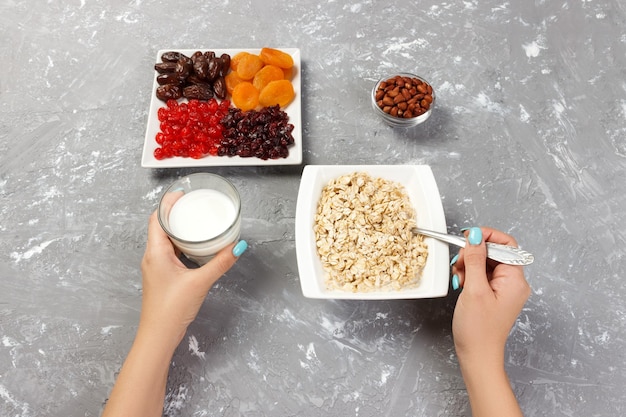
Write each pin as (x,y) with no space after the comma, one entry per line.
(455,282)
(240,248)
(464,229)
(475,236)
(454,259)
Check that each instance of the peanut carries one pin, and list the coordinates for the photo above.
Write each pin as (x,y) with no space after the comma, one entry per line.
(404,97)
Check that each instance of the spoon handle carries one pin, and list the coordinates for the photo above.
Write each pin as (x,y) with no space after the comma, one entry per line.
(502,253)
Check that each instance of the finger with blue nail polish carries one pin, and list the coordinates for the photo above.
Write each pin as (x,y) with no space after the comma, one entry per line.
(240,248)
(455,282)
(475,236)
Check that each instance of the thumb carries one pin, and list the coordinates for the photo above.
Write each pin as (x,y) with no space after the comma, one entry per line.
(475,260)
(221,263)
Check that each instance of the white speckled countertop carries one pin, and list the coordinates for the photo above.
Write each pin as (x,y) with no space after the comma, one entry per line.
(529,135)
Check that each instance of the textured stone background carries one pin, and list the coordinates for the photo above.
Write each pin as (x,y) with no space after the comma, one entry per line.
(528,136)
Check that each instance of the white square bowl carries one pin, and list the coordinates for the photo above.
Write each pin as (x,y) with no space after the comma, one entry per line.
(421,187)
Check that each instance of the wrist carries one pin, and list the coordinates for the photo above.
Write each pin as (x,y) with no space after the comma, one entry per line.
(481,363)
(486,362)
(158,337)
(486,352)
(481,368)
(489,388)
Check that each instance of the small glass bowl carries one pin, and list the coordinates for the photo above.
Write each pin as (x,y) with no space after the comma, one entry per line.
(395,121)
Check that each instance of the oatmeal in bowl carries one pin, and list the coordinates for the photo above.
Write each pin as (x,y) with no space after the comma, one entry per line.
(353,233)
(363,235)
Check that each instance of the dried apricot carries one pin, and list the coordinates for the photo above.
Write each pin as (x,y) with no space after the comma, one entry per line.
(245,96)
(249,65)
(265,75)
(272,56)
(288,73)
(277,92)
(232,79)
(234,61)
(258,72)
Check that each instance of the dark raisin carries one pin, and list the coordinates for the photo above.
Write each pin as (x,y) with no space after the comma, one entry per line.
(264,134)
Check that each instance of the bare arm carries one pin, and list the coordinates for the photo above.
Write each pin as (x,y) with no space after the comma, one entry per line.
(172,296)
(140,386)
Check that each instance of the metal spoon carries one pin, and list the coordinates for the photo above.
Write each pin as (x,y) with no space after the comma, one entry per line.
(501,253)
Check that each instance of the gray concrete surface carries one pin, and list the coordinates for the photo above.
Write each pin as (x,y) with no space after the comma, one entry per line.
(528,136)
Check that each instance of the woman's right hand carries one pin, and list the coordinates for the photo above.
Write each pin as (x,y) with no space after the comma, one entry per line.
(493,295)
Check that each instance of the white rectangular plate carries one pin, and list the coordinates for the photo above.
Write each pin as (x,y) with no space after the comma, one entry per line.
(293,110)
(421,187)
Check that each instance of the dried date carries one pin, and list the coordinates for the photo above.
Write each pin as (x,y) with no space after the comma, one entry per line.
(215,68)
(184,66)
(195,56)
(169,78)
(171,56)
(201,68)
(195,79)
(165,67)
(225,59)
(200,76)
(219,88)
(198,92)
(168,92)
